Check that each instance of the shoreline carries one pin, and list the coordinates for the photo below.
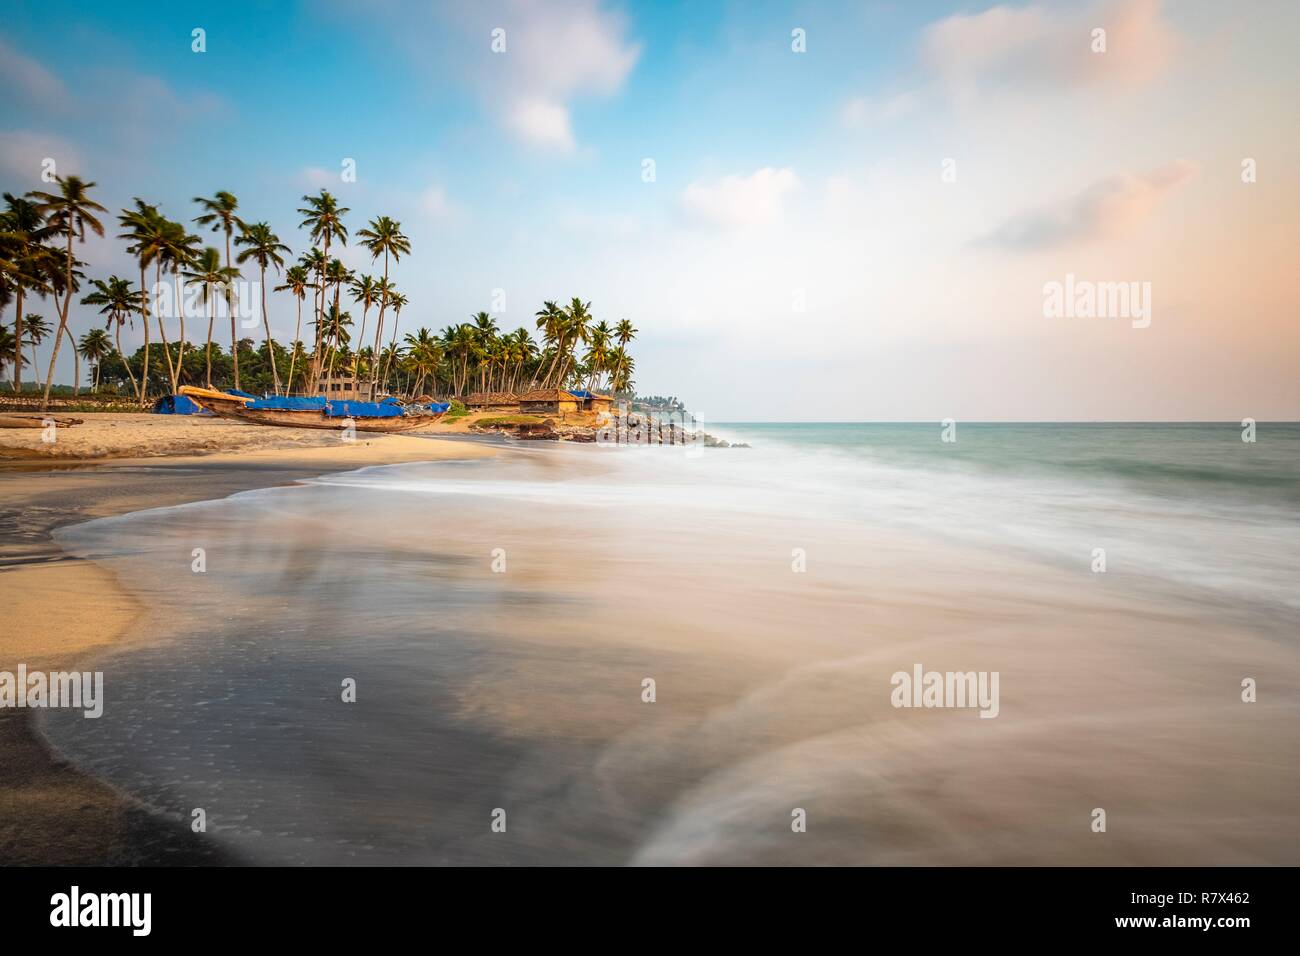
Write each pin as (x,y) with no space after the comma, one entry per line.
(52,813)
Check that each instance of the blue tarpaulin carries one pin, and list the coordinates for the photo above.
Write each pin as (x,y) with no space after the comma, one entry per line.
(289,404)
(178,405)
(440,406)
(235,391)
(364,410)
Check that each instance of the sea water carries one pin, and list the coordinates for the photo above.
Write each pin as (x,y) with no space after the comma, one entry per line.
(579,654)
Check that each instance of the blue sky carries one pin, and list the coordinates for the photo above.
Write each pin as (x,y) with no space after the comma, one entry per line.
(797,238)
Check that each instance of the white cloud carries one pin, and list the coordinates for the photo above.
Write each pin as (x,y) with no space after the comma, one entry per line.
(1108,209)
(862,111)
(1036,47)
(25,79)
(555,53)
(315,177)
(542,122)
(22,152)
(740,201)
(435,204)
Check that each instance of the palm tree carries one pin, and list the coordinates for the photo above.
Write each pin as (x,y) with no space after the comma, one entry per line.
(621,367)
(314,261)
(37,331)
(550,319)
(325,217)
(384,236)
(26,264)
(144,231)
(177,254)
(577,317)
(219,213)
(398,302)
(264,247)
(598,340)
(296,281)
(624,332)
(96,347)
(207,270)
(8,354)
(365,292)
(68,212)
(117,300)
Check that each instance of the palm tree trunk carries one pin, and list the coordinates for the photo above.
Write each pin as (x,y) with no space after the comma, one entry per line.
(234,339)
(293,348)
(144,312)
(210,306)
(76,363)
(162,328)
(63,321)
(270,343)
(18,341)
(379,322)
(180,309)
(130,374)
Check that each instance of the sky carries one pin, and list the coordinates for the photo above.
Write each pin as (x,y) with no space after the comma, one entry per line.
(811,211)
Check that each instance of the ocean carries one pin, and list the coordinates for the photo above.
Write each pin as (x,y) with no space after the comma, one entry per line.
(667,655)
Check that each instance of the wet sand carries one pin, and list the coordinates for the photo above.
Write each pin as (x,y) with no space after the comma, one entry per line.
(523,689)
(60,609)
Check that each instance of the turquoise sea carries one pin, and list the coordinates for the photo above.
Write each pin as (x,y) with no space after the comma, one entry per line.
(500,619)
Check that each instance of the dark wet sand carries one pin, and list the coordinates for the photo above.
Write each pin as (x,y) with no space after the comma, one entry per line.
(60,608)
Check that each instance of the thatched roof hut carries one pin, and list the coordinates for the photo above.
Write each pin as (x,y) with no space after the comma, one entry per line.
(591,401)
(550,401)
(492,400)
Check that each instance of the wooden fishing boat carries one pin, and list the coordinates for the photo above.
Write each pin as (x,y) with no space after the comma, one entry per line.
(218,403)
(313,418)
(236,408)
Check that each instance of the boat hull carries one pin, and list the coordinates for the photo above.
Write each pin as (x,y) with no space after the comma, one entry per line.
(313,419)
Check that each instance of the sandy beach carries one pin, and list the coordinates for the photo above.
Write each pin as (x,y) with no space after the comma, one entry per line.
(60,608)
(522,689)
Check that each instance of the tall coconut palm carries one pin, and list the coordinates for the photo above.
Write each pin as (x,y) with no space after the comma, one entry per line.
(577,319)
(144,231)
(398,303)
(117,301)
(177,255)
(96,347)
(264,248)
(69,213)
(325,217)
(26,264)
(219,213)
(383,236)
(314,261)
(365,291)
(598,350)
(624,332)
(207,270)
(296,281)
(550,320)
(38,330)
(8,354)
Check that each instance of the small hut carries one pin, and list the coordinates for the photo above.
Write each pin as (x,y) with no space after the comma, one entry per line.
(343,388)
(590,401)
(492,401)
(549,401)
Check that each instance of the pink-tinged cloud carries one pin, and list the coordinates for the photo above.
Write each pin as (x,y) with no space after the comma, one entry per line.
(25,79)
(23,154)
(1014,49)
(1110,208)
